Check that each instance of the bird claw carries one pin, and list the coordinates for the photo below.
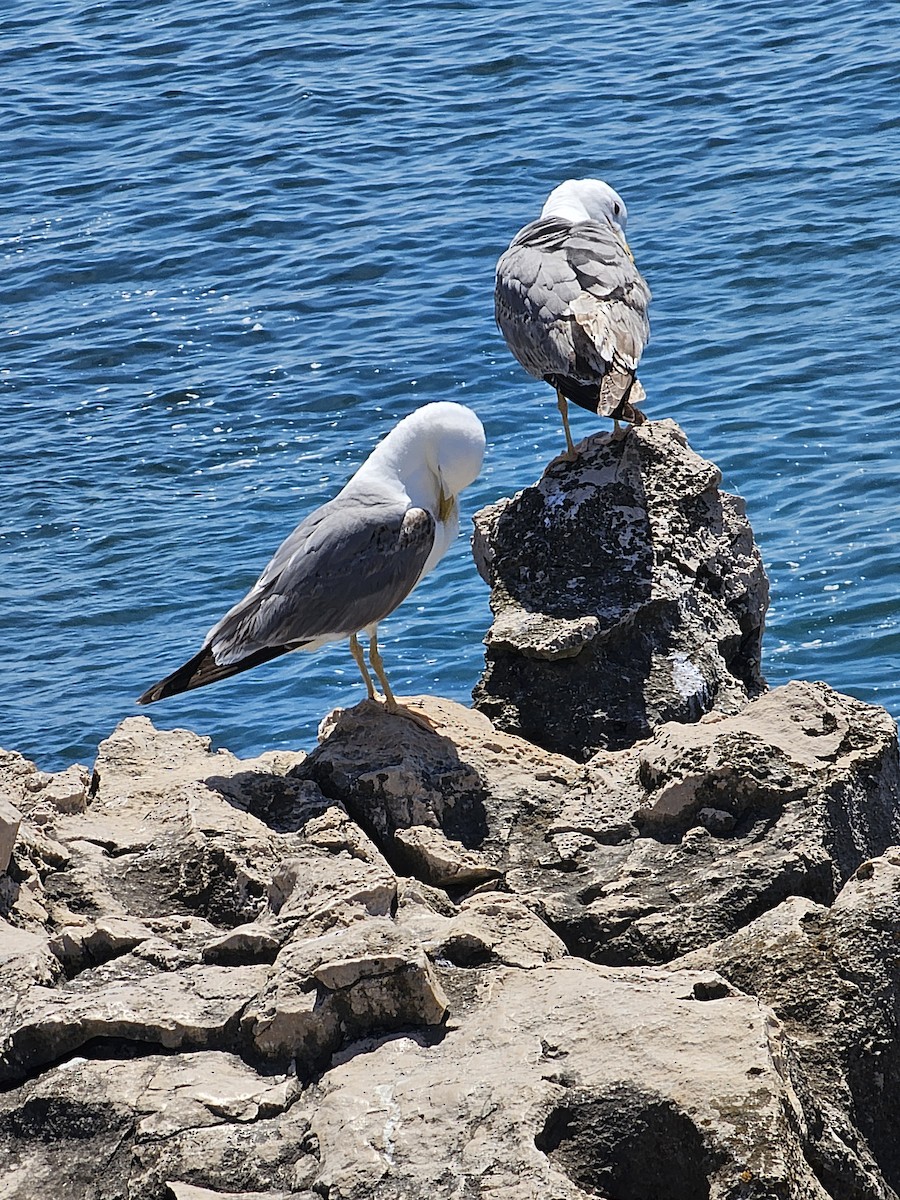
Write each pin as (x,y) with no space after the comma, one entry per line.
(567,456)
(417,718)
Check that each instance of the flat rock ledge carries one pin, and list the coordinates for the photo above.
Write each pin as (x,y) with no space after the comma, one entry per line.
(627,591)
(432,959)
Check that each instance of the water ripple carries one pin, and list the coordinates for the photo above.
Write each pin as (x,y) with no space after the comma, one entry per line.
(241,241)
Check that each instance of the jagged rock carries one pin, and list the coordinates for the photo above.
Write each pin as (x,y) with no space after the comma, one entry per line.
(370,976)
(621,856)
(204,1118)
(66,791)
(627,591)
(215,985)
(25,959)
(80,946)
(245,944)
(461,777)
(495,928)
(565,1081)
(173,828)
(365,974)
(808,779)
(10,819)
(435,859)
(197,1008)
(832,974)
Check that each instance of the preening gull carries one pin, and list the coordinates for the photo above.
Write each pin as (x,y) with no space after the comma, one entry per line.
(352,561)
(572,305)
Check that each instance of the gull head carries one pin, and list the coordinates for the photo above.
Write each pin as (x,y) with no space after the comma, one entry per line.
(587,200)
(436,452)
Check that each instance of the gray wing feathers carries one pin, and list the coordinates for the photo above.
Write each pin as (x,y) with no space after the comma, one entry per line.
(570,301)
(346,566)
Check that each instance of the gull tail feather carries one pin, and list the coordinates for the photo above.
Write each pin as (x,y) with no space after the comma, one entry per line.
(203,669)
(620,393)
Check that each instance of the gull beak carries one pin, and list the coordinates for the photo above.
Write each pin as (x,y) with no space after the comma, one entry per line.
(446,505)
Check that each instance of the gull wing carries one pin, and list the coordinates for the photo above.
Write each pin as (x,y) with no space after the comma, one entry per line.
(570,302)
(345,567)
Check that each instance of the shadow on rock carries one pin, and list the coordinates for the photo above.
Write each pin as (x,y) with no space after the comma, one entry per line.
(408,787)
(282,802)
(627,1143)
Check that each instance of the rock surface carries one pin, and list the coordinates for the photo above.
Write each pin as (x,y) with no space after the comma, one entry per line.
(216,982)
(627,591)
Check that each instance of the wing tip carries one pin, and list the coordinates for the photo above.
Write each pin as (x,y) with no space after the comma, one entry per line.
(180,680)
(203,669)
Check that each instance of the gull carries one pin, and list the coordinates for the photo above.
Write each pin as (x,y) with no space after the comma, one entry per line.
(572,305)
(352,561)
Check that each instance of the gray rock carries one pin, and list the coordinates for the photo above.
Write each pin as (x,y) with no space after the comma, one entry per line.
(565,1081)
(617,856)
(832,975)
(447,1043)
(201,1119)
(370,976)
(365,974)
(197,1008)
(458,776)
(627,591)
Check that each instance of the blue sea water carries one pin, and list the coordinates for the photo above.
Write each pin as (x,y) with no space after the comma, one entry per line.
(241,240)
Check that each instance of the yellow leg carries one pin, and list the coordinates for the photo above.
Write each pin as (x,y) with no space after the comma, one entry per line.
(357,651)
(563,404)
(378,667)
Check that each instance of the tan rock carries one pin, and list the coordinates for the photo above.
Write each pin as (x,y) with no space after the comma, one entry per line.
(537,1094)
(497,928)
(437,860)
(192,1009)
(348,983)
(67,791)
(204,1116)
(832,975)
(439,778)
(10,819)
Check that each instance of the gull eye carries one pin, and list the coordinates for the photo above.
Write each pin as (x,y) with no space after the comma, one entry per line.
(617,208)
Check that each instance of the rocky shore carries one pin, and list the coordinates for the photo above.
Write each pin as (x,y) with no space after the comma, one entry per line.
(629,928)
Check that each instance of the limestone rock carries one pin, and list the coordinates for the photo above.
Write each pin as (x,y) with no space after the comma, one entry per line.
(496,928)
(470,783)
(65,791)
(627,591)
(198,1008)
(804,784)
(368,977)
(832,975)
(644,854)
(10,819)
(437,860)
(565,1081)
(214,984)
(205,1119)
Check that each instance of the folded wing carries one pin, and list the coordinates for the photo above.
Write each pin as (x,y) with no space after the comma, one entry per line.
(571,304)
(345,567)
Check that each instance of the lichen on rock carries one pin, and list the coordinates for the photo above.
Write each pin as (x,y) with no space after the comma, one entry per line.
(627,591)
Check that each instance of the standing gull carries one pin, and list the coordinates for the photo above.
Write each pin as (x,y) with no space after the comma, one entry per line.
(352,561)
(572,305)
